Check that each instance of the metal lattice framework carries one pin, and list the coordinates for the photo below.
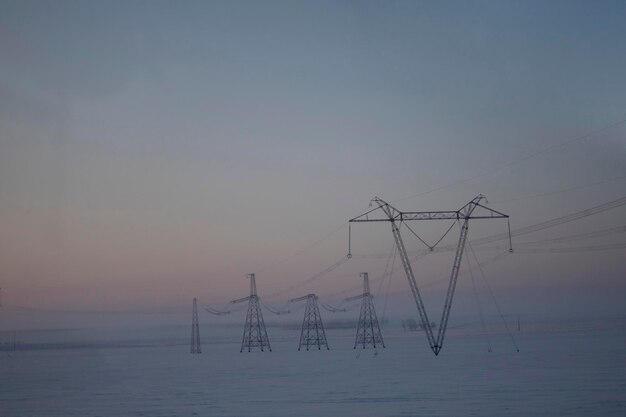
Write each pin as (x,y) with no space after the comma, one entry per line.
(368,330)
(312,333)
(195,329)
(397,218)
(254,332)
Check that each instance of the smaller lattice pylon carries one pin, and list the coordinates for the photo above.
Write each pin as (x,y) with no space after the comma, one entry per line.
(195,329)
(254,332)
(312,333)
(368,331)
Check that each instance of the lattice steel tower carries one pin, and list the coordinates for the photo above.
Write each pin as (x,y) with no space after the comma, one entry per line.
(254,333)
(195,329)
(312,333)
(472,210)
(368,331)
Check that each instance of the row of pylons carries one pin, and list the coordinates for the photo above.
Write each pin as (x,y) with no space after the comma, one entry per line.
(312,334)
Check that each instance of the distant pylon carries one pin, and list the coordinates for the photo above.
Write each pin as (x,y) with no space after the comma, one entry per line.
(254,333)
(312,333)
(368,332)
(195,329)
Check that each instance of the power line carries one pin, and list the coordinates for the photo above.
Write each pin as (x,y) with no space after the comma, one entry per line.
(310,279)
(554,222)
(506,326)
(478,305)
(519,160)
(496,169)
(303,250)
(563,190)
(388,287)
(579,236)
(595,248)
(521,231)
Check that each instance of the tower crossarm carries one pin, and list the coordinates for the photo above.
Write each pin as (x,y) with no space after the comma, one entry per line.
(354,297)
(253,293)
(304,297)
(392,214)
(241,300)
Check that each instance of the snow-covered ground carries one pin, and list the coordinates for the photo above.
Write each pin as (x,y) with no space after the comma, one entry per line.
(561,370)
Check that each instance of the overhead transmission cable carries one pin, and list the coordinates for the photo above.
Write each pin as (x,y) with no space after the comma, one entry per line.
(312,278)
(478,305)
(595,248)
(493,297)
(580,236)
(562,190)
(517,232)
(553,222)
(382,317)
(303,250)
(519,160)
(444,279)
(332,309)
(216,312)
(385,271)
(276,310)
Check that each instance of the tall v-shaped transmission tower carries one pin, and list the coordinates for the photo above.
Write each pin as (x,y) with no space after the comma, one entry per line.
(475,209)
(312,333)
(195,329)
(254,333)
(368,331)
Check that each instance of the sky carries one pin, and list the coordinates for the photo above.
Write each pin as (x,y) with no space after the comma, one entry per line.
(152,152)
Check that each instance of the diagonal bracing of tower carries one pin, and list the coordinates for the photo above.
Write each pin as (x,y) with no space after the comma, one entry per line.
(368,330)
(254,332)
(312,333)
(195,329)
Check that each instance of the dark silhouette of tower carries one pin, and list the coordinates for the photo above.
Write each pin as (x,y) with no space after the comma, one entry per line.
(195,329)
(312,333)
(368,331)
(254,333)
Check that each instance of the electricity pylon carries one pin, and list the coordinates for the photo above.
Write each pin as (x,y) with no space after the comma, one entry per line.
(397,218)
(254,333)
(312,333)
(195,329)
(367,331)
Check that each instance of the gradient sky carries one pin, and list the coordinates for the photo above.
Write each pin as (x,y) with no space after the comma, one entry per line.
(151,152)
